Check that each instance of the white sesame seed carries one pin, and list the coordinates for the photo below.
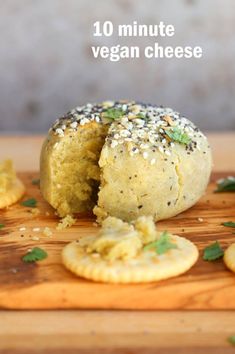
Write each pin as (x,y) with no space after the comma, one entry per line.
(152,162)
(59,131)
(114,144)
(125,133)
(160,148)
(35,238)
(167,152)
(144,146)
(36,229)
(73,125)
(22,228)
(200,219)
(145,155)
(136,150)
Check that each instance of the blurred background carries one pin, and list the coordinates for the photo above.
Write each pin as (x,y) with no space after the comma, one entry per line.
(47,67)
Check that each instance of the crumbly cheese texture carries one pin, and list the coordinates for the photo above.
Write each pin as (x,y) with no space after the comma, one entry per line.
(118,254)
(11,188)
(124,159)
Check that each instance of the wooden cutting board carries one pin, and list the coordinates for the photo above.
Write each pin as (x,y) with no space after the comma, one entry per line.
(48,285)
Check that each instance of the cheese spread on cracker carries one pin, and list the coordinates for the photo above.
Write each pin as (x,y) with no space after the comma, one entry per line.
(129,253)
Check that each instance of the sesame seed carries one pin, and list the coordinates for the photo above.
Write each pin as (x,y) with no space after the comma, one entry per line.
(22,228)
(152,162)
(141,124)
(35,238)
(114,144)
(74,125)
(145,155)
(60,132)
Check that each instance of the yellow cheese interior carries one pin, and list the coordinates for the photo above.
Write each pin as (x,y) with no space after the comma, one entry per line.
(7,175)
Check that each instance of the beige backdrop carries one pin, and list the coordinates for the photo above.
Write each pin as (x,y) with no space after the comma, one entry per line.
(46,66)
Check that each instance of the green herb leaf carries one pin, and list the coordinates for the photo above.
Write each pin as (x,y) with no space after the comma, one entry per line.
(228,223)
(231,340)
(162,245)
(213,252)
(113,113)
(36,254)
(177,135)
(226,185)
(36,181)
(141,115)
(2,226)
(29,203)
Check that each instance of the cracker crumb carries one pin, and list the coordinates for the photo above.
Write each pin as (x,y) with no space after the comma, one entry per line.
(67,221)
(47,231)
(35,211)
(35,238)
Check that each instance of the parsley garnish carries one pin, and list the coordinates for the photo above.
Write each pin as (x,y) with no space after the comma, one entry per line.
(2,226)
(228,223)
(226,185)
(213,252)
(231,340)
(177,135)
(113,113)
(162,245)
(36,254)
(29,203)
(35,181)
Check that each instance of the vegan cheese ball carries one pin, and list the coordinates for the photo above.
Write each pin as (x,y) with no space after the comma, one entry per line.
(124,159)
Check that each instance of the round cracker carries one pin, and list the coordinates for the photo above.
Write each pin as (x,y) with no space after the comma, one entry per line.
(13,194)
(229,257)
(148,266)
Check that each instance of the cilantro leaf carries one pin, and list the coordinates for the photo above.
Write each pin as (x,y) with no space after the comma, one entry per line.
(36,254)
(2,226)
(228,223)
(31,202)
(141,115)
(36,181)
(177,135)
(226,185)
(213,252)
(231,340)
(162,245)
(113,113)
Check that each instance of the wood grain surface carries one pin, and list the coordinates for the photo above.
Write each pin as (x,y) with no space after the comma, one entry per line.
(48,285)
(107,331)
